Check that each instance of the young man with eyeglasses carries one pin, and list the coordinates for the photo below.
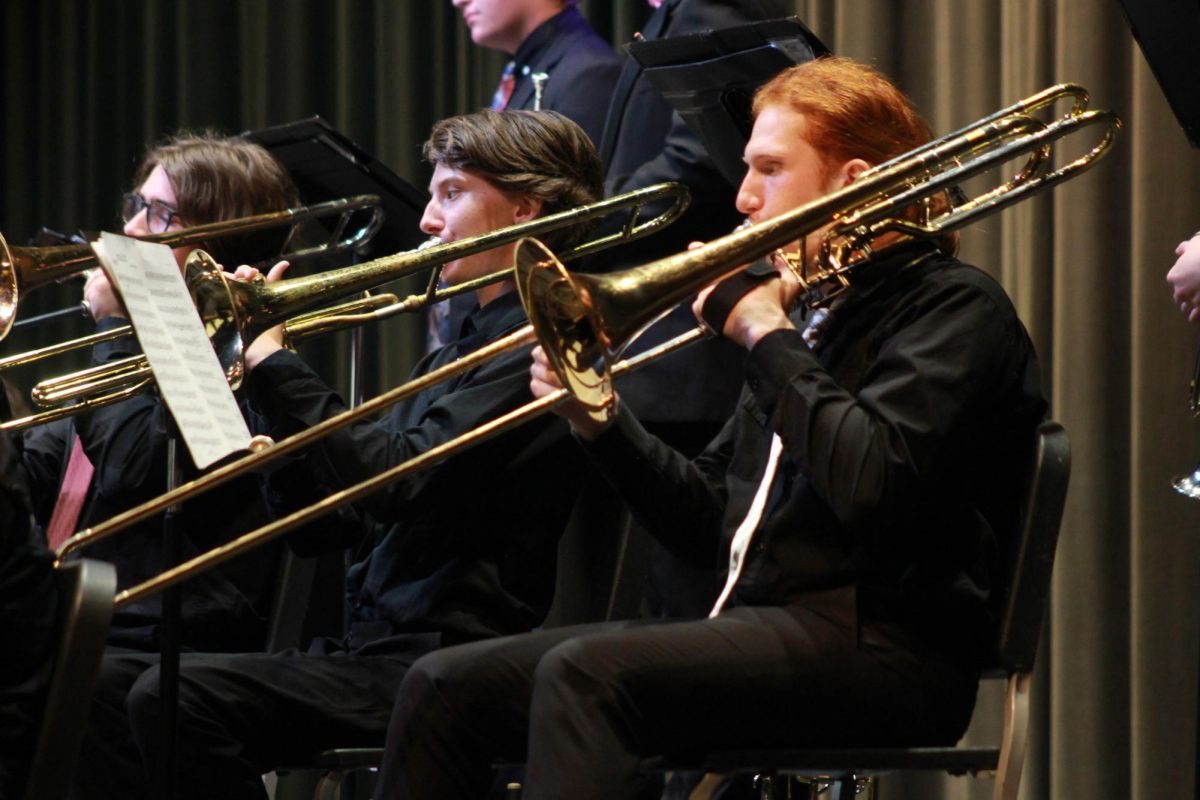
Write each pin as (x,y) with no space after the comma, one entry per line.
(86,469)
(461,551)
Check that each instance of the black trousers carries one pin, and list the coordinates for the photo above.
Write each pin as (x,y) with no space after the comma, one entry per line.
(585,705)
(239,716)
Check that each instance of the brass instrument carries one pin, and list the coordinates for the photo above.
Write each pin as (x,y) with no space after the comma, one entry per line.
(1189,485)
(382,306)
(234,311)
(584,321)
(27,268)
(283,525)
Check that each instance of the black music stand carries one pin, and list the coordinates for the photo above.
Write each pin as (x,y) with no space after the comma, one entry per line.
(1165,30)
(709,78)
(326,164)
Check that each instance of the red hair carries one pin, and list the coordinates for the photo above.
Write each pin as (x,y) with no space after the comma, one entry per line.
(850,111)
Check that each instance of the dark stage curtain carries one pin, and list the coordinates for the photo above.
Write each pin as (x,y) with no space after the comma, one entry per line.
(87,84)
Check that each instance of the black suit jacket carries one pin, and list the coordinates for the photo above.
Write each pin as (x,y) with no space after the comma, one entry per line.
(646,142)
(581,70)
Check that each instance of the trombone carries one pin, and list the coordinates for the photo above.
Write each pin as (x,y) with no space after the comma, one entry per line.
(1189,485)
(27,268)
(584,321)
(234,311)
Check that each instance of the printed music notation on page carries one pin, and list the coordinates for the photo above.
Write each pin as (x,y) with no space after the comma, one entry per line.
(186,368)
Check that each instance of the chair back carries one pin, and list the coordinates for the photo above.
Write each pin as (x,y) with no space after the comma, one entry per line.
(293,588)
(85,606)
(1031,558)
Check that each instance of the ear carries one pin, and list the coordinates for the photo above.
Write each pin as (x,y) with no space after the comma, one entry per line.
(849,172)
(528,207)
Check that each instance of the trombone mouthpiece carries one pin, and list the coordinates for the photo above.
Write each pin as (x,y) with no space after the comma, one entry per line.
(428,243)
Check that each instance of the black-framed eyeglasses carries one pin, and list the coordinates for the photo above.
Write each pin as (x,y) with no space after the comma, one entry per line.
(158,213)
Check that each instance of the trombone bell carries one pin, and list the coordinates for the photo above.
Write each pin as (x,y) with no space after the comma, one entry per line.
(30,267)
(1188,485)
(8,289)
(571,331)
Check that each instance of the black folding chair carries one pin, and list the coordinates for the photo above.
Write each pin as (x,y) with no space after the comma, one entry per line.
(600,577)
(840,774)
(85,607)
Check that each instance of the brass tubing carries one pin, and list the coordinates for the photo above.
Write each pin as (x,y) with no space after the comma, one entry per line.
(584,321)
(466,440)
(26,268)
(221,475)
(30,356)
(117,375)
(62,412)
(234,311)
(303,326)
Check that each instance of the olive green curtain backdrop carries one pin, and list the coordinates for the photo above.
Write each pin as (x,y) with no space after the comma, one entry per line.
(86,85)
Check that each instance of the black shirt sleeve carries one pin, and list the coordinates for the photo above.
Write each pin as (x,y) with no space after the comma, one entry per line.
(291,398)
(867,446)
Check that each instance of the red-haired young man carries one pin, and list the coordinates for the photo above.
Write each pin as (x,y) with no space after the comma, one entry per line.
(862,486)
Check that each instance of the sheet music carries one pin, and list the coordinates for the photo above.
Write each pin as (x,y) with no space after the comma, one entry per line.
(186,368)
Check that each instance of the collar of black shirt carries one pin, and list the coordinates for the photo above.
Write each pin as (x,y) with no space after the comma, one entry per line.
(873,275)
(491,322)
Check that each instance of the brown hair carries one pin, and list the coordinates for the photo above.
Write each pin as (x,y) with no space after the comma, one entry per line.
(851,111)
(218,177)
(539,154)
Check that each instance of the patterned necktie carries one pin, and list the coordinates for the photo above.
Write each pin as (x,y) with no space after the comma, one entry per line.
(71,495)
(504,91)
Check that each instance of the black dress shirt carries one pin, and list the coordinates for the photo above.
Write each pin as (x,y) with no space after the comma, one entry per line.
(460,551)
(223,610)
(906,437)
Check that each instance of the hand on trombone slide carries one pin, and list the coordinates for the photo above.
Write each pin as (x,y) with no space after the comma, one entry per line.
(1184,277)
(543,381)
(762,306)
(271,339)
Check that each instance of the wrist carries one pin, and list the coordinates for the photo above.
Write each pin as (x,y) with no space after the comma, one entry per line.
(755,330)
(259,352)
